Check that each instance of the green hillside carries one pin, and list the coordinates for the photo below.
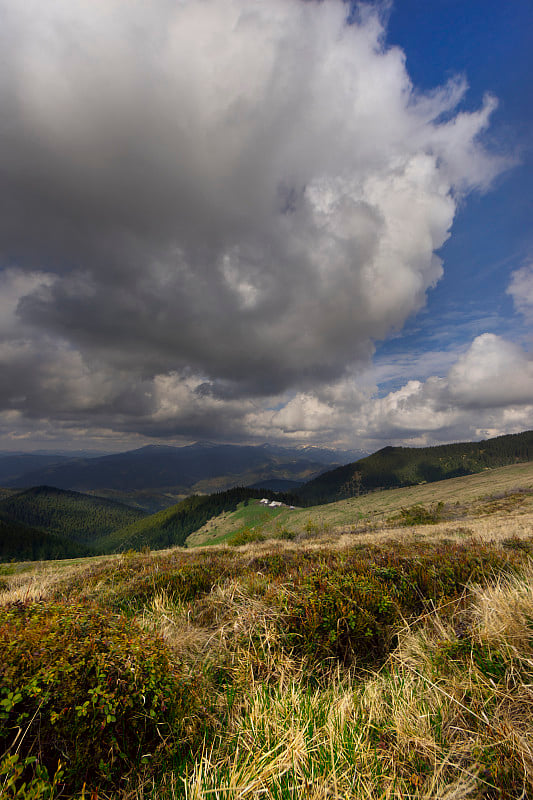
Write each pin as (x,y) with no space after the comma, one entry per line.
(172,526)
(21,543)
(249,517)
(407,466)
(78,517)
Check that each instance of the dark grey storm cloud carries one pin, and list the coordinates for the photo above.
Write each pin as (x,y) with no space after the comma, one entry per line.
(208,210)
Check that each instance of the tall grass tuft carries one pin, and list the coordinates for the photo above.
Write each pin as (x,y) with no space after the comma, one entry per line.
(448,716)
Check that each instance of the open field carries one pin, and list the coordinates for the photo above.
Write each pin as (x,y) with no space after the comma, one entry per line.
(362,659)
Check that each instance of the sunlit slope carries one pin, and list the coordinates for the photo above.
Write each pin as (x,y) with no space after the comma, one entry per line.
(250,515)
(505,488)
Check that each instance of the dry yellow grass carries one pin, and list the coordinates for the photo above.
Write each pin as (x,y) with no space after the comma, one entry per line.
(429,726)
(37,580)
(37,583)
(231,627)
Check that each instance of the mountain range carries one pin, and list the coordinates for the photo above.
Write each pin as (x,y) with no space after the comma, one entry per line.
(178,471)
(53,522)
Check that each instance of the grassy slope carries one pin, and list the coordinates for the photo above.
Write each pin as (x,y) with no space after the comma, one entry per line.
(251,516)
(80,517)
(196,522)
(372,509)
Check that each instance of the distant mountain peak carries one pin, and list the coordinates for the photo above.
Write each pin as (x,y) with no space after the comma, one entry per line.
(152,448)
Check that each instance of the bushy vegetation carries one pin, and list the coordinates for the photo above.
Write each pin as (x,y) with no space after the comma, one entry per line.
(350,608)
(448,718)
(245,536)
(252,673)
(140,578)
(87,695)
(419,515)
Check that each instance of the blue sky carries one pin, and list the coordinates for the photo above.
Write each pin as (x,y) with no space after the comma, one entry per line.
(492,235)
(265,221)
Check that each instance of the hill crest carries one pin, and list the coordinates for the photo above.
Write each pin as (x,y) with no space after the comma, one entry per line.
(407,466)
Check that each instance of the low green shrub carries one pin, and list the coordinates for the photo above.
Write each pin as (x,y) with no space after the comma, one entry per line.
(26,779)
(350,609)
(186,583)
(245,536)
(516,543)
(311,530)
(286,535)
(465,653)
(343,616)
(419,515)
(89,690)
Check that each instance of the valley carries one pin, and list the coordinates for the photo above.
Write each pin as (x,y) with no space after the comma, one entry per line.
(104,524)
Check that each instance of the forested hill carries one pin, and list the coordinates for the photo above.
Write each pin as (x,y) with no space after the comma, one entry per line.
(78,517)
(406,466)
(21,543)
(44,522)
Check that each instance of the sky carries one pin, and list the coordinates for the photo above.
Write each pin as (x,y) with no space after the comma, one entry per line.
(290,221)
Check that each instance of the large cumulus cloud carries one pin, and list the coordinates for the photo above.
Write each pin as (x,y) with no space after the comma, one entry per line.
(209,210)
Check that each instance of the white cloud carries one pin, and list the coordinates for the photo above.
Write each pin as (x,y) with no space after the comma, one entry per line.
(521,290)
(488,391)
(492,373)
(215,208)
